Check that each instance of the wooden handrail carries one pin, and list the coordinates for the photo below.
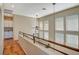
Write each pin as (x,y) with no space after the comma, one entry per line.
(24,34)
(53,48)
(75,49)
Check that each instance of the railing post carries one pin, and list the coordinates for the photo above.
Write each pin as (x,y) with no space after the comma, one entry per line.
(23,34)
(33,38)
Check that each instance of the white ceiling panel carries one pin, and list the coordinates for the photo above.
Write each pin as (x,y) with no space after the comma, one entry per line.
(31,9)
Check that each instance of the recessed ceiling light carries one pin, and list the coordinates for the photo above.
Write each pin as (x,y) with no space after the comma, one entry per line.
(43,8)
(53,3)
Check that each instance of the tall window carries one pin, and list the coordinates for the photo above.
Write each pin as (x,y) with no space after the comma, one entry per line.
(59,28)
(72,40)
(66,30)
(46,29)
(41,25)
(41,29)
(41,34)
(59,22)
(59,38)
(34,24)
(46,25)
(72,30)
(72,23)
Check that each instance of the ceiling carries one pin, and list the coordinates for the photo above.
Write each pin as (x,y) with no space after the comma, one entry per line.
(33,9)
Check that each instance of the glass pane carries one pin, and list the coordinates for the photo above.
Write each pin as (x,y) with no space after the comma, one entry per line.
(46,35)
(41,34)
(34,23)
(72,40)
(59,23)
(33,29)
(59,38)
(46,25)
(72,23)
(41,25)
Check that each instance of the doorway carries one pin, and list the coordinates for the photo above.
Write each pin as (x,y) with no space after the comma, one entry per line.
(8,25)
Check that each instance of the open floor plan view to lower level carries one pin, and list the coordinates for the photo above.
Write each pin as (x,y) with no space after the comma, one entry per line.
(39,28)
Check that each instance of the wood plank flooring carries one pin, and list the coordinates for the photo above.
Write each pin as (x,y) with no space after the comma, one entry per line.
(11,47)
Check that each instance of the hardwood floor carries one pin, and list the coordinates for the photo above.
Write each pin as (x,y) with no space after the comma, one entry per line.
(11,47)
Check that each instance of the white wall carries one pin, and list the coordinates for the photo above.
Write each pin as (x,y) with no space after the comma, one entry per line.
(1,35)
(22,23)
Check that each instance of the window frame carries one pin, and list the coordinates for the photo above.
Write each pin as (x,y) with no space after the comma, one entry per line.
(67,32)
(44,29)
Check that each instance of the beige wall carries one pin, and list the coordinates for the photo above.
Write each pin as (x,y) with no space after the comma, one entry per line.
(22,23)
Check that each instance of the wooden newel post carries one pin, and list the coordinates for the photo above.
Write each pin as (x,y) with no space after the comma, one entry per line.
(33,38)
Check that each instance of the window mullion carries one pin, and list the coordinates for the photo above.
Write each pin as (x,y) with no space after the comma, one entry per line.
(64,31)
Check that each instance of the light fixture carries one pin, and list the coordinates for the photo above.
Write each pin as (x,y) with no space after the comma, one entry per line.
(54,9)
(54,14)
(53,3)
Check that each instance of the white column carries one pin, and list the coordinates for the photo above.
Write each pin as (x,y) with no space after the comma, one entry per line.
(1,29)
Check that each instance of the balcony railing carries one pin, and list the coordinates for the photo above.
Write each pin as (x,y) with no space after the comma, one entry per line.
(37,39)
